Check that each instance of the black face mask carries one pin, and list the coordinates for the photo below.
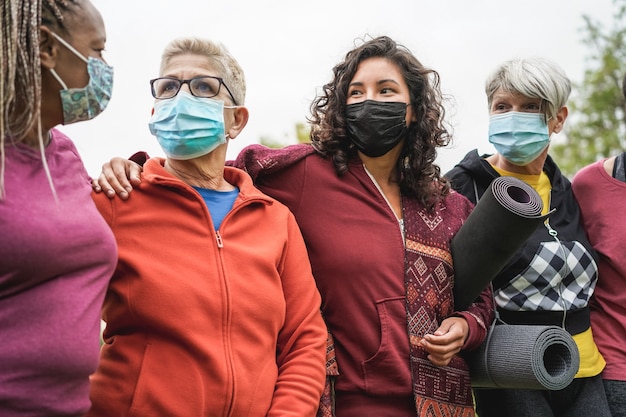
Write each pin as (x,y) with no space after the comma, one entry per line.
(375,127)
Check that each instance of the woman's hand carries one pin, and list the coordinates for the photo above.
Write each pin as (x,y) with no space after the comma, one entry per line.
(118,177)
(447,341)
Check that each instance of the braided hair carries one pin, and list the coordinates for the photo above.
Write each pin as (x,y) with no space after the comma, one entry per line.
(20,87)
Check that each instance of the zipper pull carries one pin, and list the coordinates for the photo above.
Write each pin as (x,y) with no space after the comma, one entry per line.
(551,231)
(218,238)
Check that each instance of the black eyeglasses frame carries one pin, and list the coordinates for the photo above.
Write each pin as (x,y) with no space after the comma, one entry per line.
(221,83)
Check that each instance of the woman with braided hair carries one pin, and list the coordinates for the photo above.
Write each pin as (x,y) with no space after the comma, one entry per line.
(56,252)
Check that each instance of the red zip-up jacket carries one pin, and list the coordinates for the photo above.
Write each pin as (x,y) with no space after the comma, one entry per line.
(206,323)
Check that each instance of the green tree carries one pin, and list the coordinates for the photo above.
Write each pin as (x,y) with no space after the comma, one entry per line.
(595,127)
(302,131)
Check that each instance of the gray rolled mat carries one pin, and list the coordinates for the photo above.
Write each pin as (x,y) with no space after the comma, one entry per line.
(524,357)
(503,219)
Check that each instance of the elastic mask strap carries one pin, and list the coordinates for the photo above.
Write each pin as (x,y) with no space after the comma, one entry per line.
(70,47)
(55,75)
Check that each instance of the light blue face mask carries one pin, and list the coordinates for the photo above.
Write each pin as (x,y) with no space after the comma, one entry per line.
(187,126)
(85,103)
(519,137)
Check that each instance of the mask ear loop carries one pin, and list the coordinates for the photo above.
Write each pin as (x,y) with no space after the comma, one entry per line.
(56,76)
(73,50)
(70,47)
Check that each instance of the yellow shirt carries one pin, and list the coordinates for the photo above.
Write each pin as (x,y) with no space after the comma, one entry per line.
(591,361)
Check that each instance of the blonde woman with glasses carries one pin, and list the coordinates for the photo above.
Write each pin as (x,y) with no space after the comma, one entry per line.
(212,310)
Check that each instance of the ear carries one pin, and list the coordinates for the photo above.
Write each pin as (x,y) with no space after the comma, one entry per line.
(240,116)
(413,118)
(48,48)
(561,115)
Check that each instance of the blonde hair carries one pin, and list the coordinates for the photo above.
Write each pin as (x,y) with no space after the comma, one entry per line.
(20,87)
(225,64)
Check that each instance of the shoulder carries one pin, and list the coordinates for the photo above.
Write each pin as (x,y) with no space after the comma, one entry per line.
(247,190)
(464,171)
(62,142)
(588,175)
(458,204)
(608,165)
(259,160)
(64,151)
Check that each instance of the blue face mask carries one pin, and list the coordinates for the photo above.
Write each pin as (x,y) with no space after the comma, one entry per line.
(85,103)
(519,137)
(187,126)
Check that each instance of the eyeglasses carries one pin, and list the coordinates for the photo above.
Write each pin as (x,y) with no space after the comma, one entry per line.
(203,86)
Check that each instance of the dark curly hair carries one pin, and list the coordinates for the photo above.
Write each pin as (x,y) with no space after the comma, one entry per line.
(416,172)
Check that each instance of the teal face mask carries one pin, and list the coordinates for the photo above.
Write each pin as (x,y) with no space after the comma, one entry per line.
(519,137)
(187,126)
(80,104)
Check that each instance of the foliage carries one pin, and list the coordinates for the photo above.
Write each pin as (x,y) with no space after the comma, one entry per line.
(302,131)
(597,120)
(270,142)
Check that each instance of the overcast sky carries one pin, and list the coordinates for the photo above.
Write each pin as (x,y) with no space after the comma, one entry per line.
(287,49)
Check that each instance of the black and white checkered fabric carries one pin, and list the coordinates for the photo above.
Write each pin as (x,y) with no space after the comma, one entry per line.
(562,275)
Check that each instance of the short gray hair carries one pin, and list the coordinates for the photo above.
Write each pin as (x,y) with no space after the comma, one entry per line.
(225,64)
(531,77)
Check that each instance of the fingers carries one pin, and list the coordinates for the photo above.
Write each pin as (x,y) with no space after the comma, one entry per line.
(441,354)
(446,341)
(95,186)
(118,177)
(134,174)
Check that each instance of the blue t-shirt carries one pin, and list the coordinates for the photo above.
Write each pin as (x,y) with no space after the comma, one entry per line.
(218,202)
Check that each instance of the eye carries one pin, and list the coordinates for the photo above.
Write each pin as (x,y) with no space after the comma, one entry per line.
(205,86)
(169,85)
(165,86)
(533,107)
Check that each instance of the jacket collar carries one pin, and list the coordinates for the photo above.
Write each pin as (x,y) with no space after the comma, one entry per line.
(155,173)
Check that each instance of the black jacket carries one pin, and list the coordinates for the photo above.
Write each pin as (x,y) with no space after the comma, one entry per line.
(537,286)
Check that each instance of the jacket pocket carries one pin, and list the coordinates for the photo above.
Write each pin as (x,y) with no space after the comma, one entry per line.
(387,371)
(168,384)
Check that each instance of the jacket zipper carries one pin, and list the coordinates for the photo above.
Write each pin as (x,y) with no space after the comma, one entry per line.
(220,246)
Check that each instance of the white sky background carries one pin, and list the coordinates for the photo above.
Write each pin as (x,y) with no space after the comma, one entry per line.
(288,48)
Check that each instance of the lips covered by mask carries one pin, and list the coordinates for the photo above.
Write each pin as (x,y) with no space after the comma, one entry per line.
(375,127)
(85,103)
(187,127)
(520,137)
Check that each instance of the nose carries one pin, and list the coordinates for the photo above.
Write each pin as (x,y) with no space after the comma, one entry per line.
(185,86)
(370,95)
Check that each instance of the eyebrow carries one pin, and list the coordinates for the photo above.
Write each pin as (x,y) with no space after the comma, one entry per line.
(387,80)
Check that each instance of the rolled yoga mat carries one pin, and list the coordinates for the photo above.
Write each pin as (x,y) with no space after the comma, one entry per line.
(524,357)
(503,219)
